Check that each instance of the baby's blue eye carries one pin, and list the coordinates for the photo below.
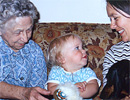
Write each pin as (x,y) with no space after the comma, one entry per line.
(77,48)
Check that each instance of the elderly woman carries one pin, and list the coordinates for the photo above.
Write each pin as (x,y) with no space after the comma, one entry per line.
(23,71)
(119,13)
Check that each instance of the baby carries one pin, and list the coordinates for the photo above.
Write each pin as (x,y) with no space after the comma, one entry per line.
(68,59)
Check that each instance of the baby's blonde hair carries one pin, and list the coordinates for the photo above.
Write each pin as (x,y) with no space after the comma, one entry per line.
(55,47)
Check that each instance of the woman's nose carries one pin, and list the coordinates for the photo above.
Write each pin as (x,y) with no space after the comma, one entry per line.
(113,25)
(24,37)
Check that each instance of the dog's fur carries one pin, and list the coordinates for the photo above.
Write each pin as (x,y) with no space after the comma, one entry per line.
(118,81)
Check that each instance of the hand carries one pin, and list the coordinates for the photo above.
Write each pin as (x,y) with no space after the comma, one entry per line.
(35,93)
(81,86)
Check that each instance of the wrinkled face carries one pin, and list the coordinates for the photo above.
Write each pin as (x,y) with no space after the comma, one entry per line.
(119,22)
(17,32)
(74,55)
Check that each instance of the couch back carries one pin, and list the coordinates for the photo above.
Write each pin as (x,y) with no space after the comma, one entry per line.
(97,39)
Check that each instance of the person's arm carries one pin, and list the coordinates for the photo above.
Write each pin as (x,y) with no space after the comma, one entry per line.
(52,87)
(8,91)
(91,88)
(109,60)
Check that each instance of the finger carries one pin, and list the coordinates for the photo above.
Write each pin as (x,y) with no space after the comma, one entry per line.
(85,82)
(42,91)
(79,85)
(45,92)
(40,97)
(84,85)
(33,98)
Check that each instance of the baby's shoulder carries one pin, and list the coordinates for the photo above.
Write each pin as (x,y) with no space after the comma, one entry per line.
(56,68)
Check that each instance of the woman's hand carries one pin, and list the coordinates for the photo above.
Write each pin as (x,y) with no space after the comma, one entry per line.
(35,93)
(8,91)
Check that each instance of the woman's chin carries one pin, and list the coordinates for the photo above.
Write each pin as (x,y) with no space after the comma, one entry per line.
(125,39)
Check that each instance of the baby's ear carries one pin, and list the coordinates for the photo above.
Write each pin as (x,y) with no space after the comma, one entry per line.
(61,59)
